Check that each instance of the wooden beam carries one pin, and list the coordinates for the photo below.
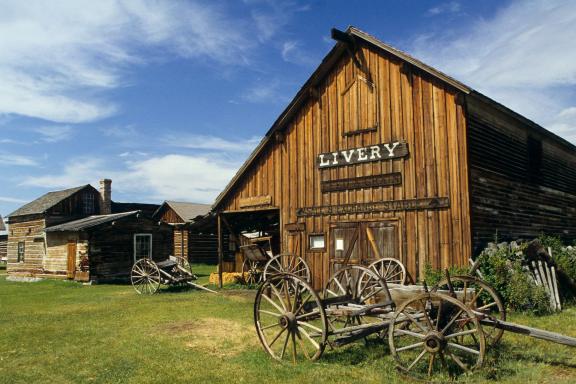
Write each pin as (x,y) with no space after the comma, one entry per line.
(220,250)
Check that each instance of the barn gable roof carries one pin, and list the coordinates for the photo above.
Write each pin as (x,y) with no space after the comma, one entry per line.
(89,222)
(330,61)
(47,201)
(186,211)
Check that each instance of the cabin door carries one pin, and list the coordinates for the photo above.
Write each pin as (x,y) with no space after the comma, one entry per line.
(294,242)
(362,243)
(71,265)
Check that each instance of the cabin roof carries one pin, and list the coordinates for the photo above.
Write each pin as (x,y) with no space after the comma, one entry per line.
(2,225)
(147,209)
(47,201)
(89,222)
(326,65)
(187,211)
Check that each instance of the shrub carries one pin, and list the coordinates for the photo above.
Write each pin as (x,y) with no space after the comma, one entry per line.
(502,268)
(564,256)
(433,276)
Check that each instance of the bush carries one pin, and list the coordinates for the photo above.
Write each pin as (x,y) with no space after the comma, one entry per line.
(502,268)
(433,276)
(564,256)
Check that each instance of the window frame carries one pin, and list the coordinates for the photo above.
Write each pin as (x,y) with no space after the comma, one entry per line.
(21,252)
(310,236)
(88,204)
(149,236)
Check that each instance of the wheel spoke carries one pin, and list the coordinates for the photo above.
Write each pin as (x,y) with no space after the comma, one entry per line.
(270,326)
(431,364)
(313,327)
(280,310)
(411,346)
(463,348)
(420,356)
(307,335)
(487,306)
(457,360)
(285,344)
(301,343)
(276,338)
(409,333)
(463,333)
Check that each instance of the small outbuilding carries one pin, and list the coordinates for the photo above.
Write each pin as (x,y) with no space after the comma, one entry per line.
(80,233)
(3,241)
(194,230)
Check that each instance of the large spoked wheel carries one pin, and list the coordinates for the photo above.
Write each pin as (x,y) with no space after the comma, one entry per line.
(183,270)
(480,297)
(391,270)
(361,285)
(145,277)
(434,337)
(287,263)
(289,318)
(252,272)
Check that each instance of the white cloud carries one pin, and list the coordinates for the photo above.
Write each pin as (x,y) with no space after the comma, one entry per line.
(54,133)
(523,57)
(292,52)
(264,92)
(211,143)
(164,177)
(58,57)
(448,7)
(6,199)
(16,160)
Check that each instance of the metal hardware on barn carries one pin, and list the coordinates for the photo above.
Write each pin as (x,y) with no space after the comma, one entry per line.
(147,275)
(434,334)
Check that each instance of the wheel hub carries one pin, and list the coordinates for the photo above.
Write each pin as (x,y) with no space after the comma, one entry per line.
(288,321)
(434,342)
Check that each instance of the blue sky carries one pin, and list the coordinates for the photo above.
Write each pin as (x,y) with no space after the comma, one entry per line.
(168,98)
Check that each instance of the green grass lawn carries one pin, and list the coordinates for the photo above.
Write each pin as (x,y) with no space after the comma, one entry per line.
(64,332)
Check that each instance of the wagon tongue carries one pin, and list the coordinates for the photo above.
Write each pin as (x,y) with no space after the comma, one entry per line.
(529,331)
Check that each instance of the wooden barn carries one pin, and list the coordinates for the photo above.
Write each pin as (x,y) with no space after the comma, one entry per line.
(193,228)
(381,155)
(80,233)
(3,241)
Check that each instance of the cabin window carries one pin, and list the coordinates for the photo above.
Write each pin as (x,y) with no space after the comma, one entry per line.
(88,203)
(142,246)
(316,242)
(21,251)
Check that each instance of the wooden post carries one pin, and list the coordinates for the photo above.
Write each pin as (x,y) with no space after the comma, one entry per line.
(220,250)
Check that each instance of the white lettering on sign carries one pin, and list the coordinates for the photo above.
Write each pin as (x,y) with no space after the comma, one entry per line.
(386,151)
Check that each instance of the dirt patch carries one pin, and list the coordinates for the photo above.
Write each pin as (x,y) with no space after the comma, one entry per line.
(217,337)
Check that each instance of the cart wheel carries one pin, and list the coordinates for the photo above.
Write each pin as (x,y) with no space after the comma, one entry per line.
(145,277)
(391,270)
(289,318)
(480,297)
(287,263)
(363,286)
(434,337)
(251,272)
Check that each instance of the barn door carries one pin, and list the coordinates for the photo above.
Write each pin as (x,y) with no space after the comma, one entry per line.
(344,245)
(294,242)
(381,241)
(71,265)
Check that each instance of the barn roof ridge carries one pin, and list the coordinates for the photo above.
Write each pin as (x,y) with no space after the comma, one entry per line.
(187,211)
(47,201)
(89,222)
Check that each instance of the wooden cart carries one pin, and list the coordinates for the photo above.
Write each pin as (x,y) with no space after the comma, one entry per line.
(147,275)
(258,265)
(433,334)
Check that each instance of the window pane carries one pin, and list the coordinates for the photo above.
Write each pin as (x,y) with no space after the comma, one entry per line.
(142,246)
(317,242)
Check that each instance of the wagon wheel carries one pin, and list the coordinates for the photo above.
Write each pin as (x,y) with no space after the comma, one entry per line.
(251,272)
(361,284)
(289,318)
(480,297)
(433,336)
(183,270)
(145,277)
(391,270)
(287,263)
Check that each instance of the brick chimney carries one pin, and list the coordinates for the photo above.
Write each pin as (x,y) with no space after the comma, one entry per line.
(105,196)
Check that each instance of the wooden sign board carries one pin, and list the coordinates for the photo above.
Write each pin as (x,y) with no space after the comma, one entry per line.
(255,201)
(375,181)
(378,152)
(295,227)
(381,206)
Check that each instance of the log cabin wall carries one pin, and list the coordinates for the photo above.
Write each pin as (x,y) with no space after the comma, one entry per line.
(3,246)
(81,204)
(29,232)
(522,180)
(404,104)
(111,251)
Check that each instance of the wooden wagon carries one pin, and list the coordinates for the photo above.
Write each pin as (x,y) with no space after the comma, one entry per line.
(434,334)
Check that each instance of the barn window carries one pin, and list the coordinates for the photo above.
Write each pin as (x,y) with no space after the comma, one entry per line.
(142,246)
(21,251)
(359,107)
(88,203)
(316,242)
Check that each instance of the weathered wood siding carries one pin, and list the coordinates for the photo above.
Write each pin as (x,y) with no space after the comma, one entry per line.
(111,250)
(523,182)
(407,105)
(204,247)
(32,234)
(168,215)
(3,246)
(72,208)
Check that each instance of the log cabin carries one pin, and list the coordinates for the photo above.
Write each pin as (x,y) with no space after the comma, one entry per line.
(194,230)
(3,241)
(80,233)
(380,155)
